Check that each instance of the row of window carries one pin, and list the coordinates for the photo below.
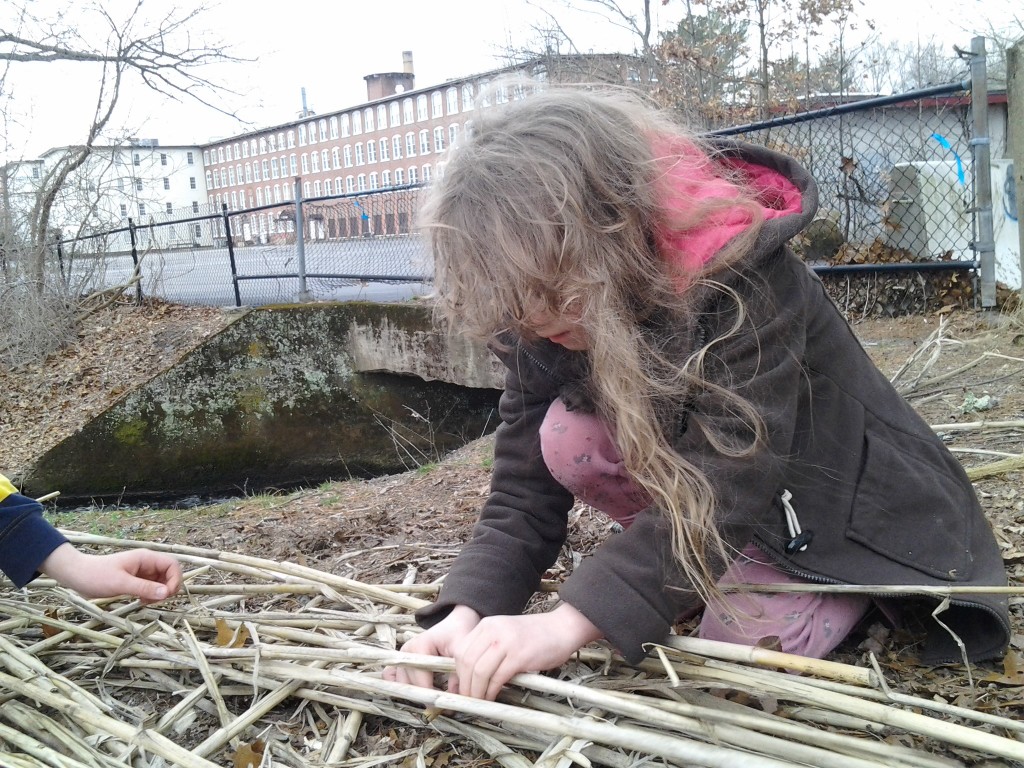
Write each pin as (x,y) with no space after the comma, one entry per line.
(142,209)
(270,224)
(166,182)
(316,162)
(189,158)
(282,193)
(388,115)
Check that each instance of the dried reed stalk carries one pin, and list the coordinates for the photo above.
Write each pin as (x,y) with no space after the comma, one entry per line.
(318,667)
(1001,467)
(978,426)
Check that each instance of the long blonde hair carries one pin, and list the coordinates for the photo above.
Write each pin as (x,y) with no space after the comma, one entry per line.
(554,202)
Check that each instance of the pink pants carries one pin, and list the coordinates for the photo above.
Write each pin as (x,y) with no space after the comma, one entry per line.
(582,456)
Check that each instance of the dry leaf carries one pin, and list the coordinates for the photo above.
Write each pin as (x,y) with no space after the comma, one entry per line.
(50,631)
(1013,671)
(230,638)
(432,713)
(249,755)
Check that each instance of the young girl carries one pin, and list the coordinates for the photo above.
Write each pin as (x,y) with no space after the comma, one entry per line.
(672,363)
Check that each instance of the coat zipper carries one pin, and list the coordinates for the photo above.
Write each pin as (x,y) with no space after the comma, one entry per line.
(799,543)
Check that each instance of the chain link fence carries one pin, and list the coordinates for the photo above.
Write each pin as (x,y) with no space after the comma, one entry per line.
(893,174)
(896,227)
(357,246)
(897,198)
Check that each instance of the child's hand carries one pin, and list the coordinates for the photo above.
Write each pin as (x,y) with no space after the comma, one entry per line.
(491,651)
(150,576)
(439,640)
(500,647)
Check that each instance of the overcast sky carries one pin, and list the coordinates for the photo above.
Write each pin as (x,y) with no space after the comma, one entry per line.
(323,46)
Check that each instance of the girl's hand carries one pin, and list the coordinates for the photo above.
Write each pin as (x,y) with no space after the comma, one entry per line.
(150,576)
(500,647)
(439,640)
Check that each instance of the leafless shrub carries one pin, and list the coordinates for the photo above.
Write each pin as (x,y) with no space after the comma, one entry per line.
(33,322)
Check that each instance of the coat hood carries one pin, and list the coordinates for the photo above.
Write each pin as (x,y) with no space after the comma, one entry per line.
(784,191)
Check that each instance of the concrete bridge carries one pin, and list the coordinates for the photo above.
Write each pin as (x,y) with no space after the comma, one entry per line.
(285,395)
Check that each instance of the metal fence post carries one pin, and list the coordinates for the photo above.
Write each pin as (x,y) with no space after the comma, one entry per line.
(300,241)
(1015,117)
(135,260)
(231,253)
(984,243)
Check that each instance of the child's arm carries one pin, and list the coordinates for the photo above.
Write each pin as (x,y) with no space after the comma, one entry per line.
(26,538)
(29,545)
(151,576)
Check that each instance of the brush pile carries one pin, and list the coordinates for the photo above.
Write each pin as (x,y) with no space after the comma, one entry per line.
(261,663)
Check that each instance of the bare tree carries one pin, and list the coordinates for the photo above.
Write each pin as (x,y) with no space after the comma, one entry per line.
(167,53)
(162,54)
(553,42)
(701,60)
(999,40)
(633,16)
(928,62)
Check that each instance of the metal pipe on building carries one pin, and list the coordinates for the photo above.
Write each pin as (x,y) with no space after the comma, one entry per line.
(984,237)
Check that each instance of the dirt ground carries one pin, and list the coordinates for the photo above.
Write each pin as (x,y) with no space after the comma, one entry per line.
(961,369)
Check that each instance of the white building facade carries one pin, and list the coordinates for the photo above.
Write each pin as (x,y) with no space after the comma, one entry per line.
(141,182)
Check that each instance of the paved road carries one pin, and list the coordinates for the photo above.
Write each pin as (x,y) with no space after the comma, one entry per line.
(203,276)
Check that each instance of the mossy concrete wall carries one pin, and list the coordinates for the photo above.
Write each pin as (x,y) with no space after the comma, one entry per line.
(285,395)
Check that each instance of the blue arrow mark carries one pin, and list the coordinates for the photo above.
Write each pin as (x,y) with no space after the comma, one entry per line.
(944,143)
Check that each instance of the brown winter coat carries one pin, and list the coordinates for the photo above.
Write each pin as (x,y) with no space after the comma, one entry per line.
(882,498)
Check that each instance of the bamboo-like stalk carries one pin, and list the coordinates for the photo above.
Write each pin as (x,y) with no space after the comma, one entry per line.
(193,699)
(769,658)
(37,750)
(982,452)
(994,468)
(880,589)
(835,719)
(496,749)
(706,725)
(45,729)
(750,731)
(628,737)
(44,645)
(71,630)
(527,739)
(210,680)
(691,701)
(346,585)
(28,667)
(796,690)
(346,735)
(102,724)
(978,426)
(325,656)
(222,736)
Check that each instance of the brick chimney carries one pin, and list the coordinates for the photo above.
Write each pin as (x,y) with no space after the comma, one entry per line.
(381,85)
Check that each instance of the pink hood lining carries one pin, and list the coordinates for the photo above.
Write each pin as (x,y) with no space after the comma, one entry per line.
(688,174)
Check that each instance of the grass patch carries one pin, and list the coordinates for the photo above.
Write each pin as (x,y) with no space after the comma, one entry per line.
(144,523)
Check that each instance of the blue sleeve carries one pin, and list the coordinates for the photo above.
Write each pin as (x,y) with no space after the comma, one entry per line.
(26,538)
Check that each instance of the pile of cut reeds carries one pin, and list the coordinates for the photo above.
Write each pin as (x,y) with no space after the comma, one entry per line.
(267,663)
